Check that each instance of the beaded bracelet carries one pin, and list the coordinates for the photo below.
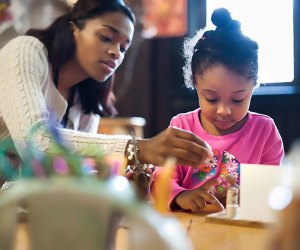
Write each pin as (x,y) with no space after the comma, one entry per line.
(148,169)
(139,174)
(133,150)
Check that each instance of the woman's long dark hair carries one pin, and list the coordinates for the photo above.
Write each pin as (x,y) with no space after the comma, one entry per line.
(59,41)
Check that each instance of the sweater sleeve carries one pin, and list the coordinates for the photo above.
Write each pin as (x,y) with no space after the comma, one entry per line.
(273,148)
(24,67)
(175,188)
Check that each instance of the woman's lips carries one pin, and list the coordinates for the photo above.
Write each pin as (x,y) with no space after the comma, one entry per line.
(108,67)
(110,64)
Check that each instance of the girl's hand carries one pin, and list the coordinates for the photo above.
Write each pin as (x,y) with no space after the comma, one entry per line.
(231,181)
(196,199)
(185,146)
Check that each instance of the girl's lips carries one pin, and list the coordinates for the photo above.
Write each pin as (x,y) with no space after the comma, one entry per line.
(224,124)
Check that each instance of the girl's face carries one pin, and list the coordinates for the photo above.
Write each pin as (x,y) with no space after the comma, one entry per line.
(102,43)
(224,98)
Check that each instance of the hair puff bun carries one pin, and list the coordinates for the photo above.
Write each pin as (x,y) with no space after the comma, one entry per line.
(221,18)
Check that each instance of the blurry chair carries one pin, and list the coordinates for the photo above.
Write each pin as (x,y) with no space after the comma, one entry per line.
(84,214)
(122,125)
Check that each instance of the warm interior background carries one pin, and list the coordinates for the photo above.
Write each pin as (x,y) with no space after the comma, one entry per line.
(149,84)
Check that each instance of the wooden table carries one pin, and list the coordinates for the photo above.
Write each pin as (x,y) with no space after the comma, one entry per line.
(204,235)
(210,236)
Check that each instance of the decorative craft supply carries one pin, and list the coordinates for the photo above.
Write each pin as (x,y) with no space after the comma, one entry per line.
(232,199)
(60,160)
(163,185)
(220,167)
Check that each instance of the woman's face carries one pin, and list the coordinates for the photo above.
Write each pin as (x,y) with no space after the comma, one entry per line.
(102,43)
(224,98)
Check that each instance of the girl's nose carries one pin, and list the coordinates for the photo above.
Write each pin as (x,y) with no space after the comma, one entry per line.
(224,110)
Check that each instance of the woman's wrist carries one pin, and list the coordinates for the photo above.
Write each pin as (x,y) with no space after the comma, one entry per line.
(142,151)
(140,147)
(137,170)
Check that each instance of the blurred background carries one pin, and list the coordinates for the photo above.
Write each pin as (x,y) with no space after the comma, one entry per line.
(149,84)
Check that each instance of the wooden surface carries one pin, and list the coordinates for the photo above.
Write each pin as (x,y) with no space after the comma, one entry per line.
(204,235)
(212,236)
(221,218)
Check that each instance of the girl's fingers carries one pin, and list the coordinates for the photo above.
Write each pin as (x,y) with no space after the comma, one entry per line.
(208,197)
(194,207)
(210,184)
(200,202)
(213,200)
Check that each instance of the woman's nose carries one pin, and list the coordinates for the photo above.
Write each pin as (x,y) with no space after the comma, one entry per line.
(224,110)
(115,51)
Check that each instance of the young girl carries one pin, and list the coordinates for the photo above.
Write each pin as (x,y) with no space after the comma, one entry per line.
(222,66)
(62,74)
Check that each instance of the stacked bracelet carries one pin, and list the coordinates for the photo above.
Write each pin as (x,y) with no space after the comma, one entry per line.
(139,174)
(148,169)
(133,150)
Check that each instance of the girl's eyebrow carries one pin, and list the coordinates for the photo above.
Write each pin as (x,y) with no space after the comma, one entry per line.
(240,91)
(235,92)
(213,91)
(209,90)
(114,30)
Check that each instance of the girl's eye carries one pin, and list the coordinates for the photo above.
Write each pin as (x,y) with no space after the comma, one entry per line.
(237,101)
(211,100)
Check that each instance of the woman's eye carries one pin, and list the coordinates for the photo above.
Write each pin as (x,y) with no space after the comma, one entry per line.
(105,38)
(123,50)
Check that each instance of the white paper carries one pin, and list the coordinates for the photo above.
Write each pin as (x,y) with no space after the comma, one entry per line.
(256,184)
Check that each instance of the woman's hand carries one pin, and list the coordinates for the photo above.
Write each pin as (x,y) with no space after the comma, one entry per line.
(196,199)
(185,146)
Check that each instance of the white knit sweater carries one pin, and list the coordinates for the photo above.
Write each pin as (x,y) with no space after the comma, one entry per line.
(29,99)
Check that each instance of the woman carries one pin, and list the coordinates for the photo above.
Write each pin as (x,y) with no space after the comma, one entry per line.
(61,74)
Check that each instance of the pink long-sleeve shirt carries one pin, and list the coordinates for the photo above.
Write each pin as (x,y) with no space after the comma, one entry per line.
(257,142)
